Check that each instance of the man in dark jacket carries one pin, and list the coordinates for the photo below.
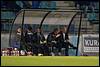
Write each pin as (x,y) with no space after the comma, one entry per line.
(19,40)
(65,41)
(29,39)
(52,42)
(60,41)
(39,41)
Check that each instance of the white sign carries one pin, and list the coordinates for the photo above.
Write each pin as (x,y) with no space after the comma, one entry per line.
(90,43)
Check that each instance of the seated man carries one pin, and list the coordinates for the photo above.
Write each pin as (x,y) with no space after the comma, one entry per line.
(29,39)
(39,42)
(52,42)
(67,44)
(16,41)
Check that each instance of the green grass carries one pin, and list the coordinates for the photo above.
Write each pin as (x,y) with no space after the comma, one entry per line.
(49,61)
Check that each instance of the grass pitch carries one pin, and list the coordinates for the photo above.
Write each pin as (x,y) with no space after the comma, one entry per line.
(49,61)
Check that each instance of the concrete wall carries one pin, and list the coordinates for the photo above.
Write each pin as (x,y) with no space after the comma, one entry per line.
(4,40)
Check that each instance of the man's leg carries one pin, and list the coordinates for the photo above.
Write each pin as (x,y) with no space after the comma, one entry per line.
(66,52)
(63,51)
(66,46)
(46,50)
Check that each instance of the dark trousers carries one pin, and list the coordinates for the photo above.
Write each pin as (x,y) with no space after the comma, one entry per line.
(45,50)
(40,48)
(66,45)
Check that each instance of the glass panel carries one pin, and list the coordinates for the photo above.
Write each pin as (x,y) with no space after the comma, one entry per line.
(30,18)
(14,41)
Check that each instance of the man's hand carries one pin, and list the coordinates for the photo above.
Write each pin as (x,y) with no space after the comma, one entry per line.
(67,40)
(42,42)
(54,42)
(45,41)
(58,35)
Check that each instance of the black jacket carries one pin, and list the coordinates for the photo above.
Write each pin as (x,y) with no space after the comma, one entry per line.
(58,40)
(38,38)
(50,39)
(29,38)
